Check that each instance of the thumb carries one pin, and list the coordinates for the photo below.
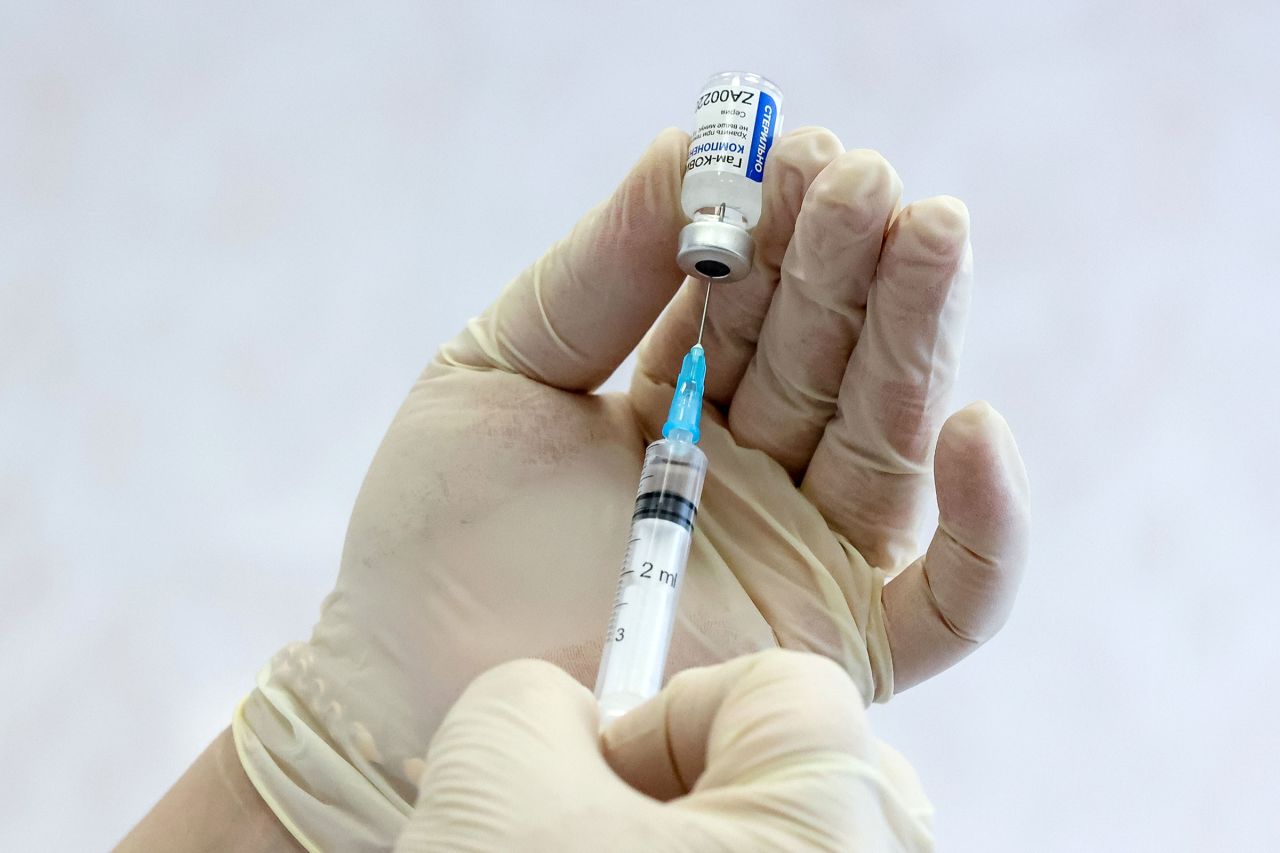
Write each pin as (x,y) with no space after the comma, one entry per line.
(955,597)
(519,748)
(572,317)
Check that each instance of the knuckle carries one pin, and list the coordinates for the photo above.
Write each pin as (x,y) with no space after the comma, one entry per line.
(816,685)
(515,676)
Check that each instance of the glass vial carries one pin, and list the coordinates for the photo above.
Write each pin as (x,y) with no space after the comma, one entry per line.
(737,117)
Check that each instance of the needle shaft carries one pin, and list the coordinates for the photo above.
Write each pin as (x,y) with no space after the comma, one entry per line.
(706,300)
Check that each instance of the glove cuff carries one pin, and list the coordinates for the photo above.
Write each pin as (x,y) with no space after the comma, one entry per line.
(319,796)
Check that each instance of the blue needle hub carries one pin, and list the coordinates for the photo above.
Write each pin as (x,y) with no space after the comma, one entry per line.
(686,403)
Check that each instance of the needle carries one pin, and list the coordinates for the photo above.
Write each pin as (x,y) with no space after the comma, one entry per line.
(705,302)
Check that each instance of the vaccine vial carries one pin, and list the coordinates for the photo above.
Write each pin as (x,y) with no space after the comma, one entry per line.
(736,118)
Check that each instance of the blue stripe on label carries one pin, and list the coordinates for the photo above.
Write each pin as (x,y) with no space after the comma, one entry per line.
(762,137)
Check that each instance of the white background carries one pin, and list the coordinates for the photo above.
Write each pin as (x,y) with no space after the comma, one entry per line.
(230,238)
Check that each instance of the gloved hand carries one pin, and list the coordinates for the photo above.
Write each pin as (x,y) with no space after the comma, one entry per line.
(494,517)
(766,752)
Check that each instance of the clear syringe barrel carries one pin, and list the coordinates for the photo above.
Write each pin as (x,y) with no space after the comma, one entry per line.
(644,608)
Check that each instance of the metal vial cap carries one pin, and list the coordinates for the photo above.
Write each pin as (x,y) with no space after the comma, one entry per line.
(715,250)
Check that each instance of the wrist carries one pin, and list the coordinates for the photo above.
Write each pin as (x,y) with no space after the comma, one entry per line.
(213,806)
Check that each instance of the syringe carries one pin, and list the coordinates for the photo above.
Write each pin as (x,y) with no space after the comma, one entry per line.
(644,608)
(722,196)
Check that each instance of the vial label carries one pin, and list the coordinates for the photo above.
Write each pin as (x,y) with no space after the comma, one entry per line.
(734,131)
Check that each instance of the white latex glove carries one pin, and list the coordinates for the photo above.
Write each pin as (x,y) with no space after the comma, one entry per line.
(494,517)
(767,752)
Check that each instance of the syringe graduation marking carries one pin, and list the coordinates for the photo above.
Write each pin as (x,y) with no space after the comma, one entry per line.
(664,576)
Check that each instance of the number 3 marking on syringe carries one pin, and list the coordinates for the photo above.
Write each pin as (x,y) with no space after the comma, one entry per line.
(618,633)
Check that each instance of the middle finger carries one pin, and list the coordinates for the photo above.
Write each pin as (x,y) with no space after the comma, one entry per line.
(737,310)
(789,391)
